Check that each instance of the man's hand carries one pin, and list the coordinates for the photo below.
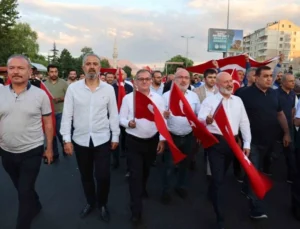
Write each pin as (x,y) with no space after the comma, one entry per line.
(215,63)
(68,148)
(246,57)
(166,114)
(209,120)
(114,145)
(246,152)
(132,124)
(49,155)
(286,140)
(56,100)
(160,147)
(281,58)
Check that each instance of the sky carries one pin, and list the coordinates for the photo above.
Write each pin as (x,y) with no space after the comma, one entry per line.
(147,32)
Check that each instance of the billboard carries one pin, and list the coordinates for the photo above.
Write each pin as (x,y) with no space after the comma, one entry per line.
(223,40)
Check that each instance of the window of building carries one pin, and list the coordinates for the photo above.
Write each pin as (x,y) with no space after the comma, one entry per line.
(294,46)
(281,38)
(290,26)
(294,39)
(280,46)
(282,32)
(295,33)
(282,25)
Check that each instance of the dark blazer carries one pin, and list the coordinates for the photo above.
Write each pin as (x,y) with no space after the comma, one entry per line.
(128,89)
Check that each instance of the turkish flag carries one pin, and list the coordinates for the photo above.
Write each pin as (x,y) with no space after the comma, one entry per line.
(232,62)
(108,70)
(236,80)
(181,107)
(121,89)
(259,182)
(145,108)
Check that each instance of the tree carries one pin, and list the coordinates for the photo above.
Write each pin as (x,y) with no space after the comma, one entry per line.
(8,17)
(172,67)
(53,59)
(66,63)
(24,40)
(86,50)
(40,59)
(128,71)
(105,63)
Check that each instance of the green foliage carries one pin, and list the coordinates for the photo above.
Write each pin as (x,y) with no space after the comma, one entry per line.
(66,63)
(8,17)
(297,75)
(172,67)
(128,71)
(105,63)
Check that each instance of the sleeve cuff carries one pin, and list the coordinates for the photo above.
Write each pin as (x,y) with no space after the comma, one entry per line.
(115,138)
(67,138)
(246,145)
(161,138)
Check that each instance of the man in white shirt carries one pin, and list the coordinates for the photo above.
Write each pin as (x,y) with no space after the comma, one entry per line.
(220,155)
(88,103)
(143,143)
(182,135)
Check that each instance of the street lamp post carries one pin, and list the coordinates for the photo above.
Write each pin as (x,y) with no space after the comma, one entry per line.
(187,45)
(228,8)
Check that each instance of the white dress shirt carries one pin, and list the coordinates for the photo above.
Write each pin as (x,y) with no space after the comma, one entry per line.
(236,114)
(209,92)
(179,125)
(94,114)
(144,128)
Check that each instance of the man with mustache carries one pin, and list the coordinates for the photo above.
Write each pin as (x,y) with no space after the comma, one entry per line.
(182,135)
(220,155)
(88,103)
(265,112)
(57,88)
(22,109)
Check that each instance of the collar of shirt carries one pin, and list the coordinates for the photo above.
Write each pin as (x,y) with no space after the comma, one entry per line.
(160,87)
(220,96)
(97,88)
(26,89)
(258,89)
(206,89)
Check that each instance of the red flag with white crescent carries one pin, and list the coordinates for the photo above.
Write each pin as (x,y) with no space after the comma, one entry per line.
(179,106)
(145,108)
(259,182)
(121,89)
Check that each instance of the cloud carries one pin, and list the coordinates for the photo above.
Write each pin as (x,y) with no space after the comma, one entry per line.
(145,34)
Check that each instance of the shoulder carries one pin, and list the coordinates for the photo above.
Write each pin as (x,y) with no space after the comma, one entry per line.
(166,95)
(37,92)
(237,99)
(210,99)
(63,82)
(192,95)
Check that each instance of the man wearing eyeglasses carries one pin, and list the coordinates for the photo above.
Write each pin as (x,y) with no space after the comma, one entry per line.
(182,135)
(143,143)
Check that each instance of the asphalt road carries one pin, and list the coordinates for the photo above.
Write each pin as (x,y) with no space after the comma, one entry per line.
(62,198)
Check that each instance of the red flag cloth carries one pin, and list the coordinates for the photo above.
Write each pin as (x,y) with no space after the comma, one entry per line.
(45,89)
(146,109)
(181,107)
(110,70)
(236,80)
(238,62)
(121,89)
(259,182)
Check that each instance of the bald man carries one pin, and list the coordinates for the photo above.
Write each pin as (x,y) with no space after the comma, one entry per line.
(220,155)
(182,135)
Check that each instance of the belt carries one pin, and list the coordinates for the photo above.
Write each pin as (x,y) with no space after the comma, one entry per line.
(182,136)
(218,136)
(142,139)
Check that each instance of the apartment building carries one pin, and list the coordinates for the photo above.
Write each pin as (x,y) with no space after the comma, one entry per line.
(277,37)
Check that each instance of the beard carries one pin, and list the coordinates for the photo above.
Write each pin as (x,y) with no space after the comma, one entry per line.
(226,91)
(91,75)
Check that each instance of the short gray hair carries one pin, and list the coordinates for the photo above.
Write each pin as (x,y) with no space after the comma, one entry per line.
(88,55)
(142,71)
(251,70)
(19,56)
(285,76)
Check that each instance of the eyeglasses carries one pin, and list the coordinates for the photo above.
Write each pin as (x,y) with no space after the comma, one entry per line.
(143,79)
(183,77)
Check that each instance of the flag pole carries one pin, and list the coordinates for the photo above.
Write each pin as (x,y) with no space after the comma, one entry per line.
(134,100)
(170,95)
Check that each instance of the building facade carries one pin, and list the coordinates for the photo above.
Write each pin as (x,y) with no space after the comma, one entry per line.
(277,37)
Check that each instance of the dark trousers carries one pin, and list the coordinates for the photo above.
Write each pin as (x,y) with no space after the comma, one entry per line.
(58,139)
(121,147)
(94,160)
(220,157)
(257,156)
(185,145)
(140,156)
(23,170)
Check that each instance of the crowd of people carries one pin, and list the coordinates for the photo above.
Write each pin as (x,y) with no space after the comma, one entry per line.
(83,117)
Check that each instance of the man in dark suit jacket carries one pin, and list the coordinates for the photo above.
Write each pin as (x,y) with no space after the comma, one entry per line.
(128,89)
(1,81)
